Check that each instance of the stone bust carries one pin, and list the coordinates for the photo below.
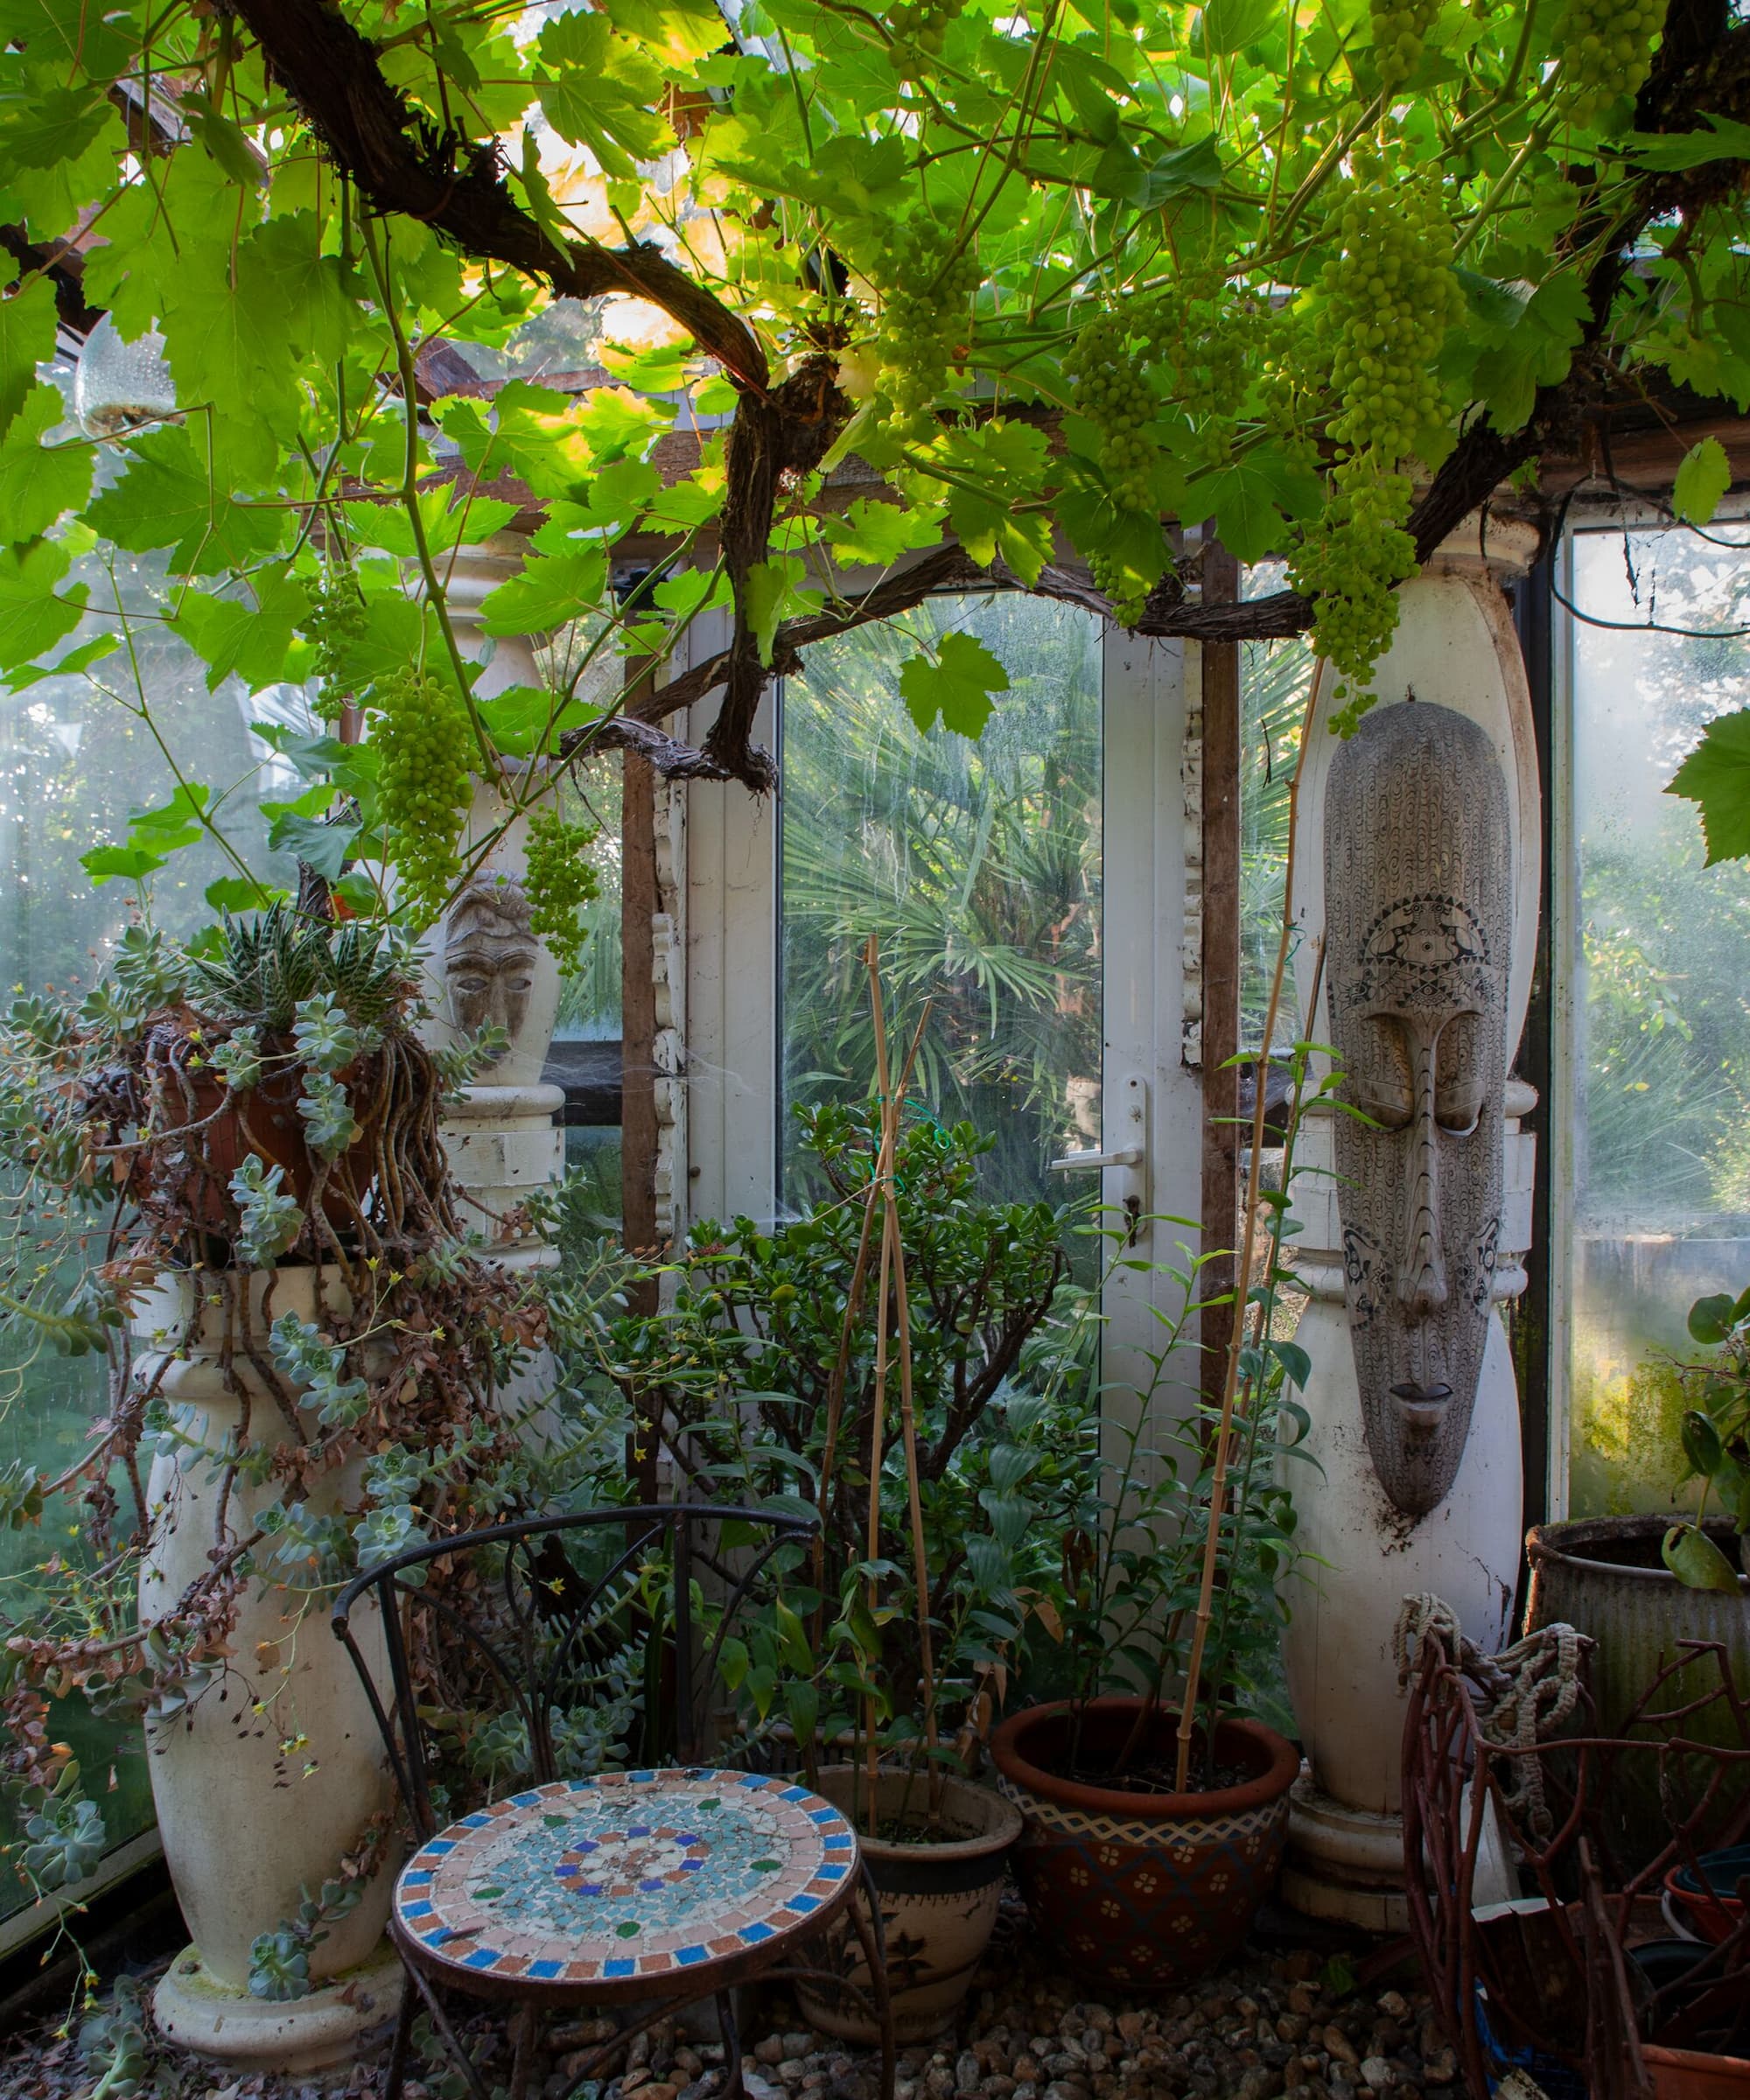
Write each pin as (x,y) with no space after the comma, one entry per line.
(496,972)
(1419,876)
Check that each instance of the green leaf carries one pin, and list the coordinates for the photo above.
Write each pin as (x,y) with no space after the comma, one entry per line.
(765,591)
(1230,25)
(547,592)
(1696,1561)
(74,661)
(1716,776)
(230,635)
(532,432)
(957,686)
(40,484)
(879,532)
(1702,1447)
(524,721)
(595,90)
(1675,151)
(27,340)
(1241,500)
(1702,479)
(1711,1320)
(166,500)
(32,618)
(1536,352)
(320,845)
(282,264)
(221,137)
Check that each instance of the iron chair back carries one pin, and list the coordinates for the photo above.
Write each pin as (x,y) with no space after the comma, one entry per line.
(540,1627)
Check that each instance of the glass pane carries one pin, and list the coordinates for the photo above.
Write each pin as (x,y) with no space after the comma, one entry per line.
(1275,678)
(77,753)
(977,865)
(1659,957)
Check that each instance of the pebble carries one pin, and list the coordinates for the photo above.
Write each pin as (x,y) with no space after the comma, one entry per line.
(1341,2049)
(1379,2075)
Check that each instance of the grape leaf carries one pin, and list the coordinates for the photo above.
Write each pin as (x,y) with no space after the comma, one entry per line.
(523,720)
(27,339)
(533,433)
(69,34)
(957,686)
(253,640)
(321,846)
(879,532)
(1702,479)
(32,618)
(595,91)
(1536,352)
(1675,151)
(39,483)
(547,592)
(165,500)
(387,525)
(1716,776)
(282,263)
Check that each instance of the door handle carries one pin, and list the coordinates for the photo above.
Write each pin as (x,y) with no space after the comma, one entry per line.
(1128,1160)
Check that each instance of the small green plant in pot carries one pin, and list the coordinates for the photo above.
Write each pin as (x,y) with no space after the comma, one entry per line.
(1716,1435)
(1155,1803)
(877,1363)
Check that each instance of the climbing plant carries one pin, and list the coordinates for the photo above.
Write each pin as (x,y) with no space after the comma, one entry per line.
(1065,276)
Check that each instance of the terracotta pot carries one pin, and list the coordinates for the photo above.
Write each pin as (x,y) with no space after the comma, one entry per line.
(1693,2075)
(938,1905)
(263,1123)
(1142,1890)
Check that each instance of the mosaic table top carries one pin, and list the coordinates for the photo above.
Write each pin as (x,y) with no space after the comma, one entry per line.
(627,1876)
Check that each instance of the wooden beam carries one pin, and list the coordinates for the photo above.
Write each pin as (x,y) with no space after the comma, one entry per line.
(1221,963)
(638,1065)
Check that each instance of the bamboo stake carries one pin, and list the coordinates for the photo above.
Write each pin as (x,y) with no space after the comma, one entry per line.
(1218,1486)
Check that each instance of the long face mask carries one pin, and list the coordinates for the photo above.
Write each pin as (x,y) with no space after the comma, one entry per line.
(1419,916)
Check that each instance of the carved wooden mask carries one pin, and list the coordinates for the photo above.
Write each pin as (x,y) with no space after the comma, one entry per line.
(1419,918)
(490,957)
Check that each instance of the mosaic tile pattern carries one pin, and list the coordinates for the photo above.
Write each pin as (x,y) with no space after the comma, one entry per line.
(628,1875)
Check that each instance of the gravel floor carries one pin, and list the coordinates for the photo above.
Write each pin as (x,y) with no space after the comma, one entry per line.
(1275,2026)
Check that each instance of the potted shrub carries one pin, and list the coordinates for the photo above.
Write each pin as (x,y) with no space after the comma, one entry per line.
(881,1362)
(303,1360)
(1155,1803)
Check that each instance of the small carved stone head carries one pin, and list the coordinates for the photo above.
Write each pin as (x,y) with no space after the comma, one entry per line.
(1419,916)
(491,958)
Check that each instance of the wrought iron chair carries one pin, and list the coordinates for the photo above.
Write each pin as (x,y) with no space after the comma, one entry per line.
(639,1892)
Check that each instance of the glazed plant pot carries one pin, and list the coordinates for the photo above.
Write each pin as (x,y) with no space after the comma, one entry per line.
(1138,1889)
(1604,1575)
(938,1904)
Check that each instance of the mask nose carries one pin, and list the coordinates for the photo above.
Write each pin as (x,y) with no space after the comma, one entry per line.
(1422,1269)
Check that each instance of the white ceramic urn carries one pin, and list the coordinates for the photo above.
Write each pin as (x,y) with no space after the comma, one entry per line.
(1455,647)
(276,1769)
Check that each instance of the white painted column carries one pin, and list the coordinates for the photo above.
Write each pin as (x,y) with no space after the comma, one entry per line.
(1455,646)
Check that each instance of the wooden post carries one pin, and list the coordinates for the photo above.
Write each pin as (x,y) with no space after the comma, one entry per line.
(638,1040)
(1221,961)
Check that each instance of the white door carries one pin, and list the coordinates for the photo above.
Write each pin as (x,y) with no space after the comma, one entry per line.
(1036,880)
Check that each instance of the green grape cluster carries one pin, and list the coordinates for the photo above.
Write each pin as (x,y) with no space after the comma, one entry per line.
(1390,295)
(335,623)
(1112,389)
(922,26)
(1117,586)
(1400,30)
(1606,47)
(1348,564)
(425,741)
(926,321)
(558,882)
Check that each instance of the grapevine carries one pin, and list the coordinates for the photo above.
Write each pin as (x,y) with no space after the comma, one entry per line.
(425,739)
(1606,47)
(559,881)
(1390,297)
(922,26)
(1400,30)
(925,321)
(335,623)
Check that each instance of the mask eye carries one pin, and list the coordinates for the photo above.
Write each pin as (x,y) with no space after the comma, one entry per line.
(1459,1090)
(1379,1081)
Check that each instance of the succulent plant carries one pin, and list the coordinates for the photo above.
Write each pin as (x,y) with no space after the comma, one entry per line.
(267,966)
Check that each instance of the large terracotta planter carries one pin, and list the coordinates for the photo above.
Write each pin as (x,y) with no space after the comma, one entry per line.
(1604,1575)
(247,1826)
(1142,1890)
(938,1905)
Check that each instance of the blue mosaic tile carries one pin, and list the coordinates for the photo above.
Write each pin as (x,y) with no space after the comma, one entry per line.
(627,1876)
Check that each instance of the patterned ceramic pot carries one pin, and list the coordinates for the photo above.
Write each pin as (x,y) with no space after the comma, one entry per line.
(938,1906)
(1142,1890)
